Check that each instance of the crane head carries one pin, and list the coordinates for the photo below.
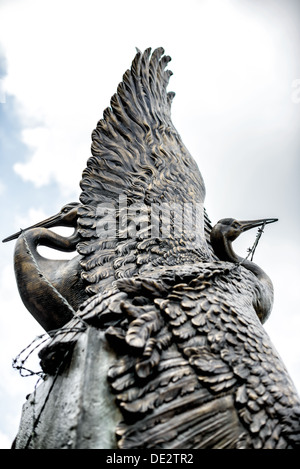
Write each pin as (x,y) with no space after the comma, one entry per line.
(230,228)
(66,217)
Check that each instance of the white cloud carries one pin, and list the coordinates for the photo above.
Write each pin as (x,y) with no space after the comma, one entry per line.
(2,92)
(2,188)
(5,442)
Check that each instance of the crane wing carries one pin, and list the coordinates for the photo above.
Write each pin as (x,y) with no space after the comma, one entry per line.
(138,158)
(198,369)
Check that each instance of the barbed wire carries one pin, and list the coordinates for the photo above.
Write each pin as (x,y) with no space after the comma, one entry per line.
(251,251)
(19,361)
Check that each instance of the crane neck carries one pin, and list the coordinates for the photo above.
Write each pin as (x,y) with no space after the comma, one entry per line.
(263,299)
(224,250)
(44,237)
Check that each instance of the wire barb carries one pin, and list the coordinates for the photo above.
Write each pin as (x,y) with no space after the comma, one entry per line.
(252,250)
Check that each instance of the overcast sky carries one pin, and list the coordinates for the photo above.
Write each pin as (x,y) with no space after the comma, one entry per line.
(237,108)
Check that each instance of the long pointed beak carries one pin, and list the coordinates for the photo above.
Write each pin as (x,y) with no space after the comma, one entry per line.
(247,225)
(55,220)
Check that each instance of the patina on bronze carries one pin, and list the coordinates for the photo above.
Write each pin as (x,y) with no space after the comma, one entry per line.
(171,346)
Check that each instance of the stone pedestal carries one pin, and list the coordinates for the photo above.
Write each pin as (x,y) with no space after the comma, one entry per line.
(74,410)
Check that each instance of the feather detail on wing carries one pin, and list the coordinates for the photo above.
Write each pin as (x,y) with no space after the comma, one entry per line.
(198,369)
(137,158)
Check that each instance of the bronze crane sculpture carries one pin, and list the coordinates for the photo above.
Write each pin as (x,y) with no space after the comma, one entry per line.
(183,313)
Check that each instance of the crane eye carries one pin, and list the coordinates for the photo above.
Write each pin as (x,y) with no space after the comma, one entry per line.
(236,225)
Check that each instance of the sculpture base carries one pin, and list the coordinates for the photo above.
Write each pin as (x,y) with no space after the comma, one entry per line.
(74,410)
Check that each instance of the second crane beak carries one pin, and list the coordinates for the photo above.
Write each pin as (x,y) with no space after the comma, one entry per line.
(247,225)
(55,220)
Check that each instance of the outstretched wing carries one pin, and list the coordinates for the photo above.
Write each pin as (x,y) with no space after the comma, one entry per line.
(139,168)
(198,369)
(138,159)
